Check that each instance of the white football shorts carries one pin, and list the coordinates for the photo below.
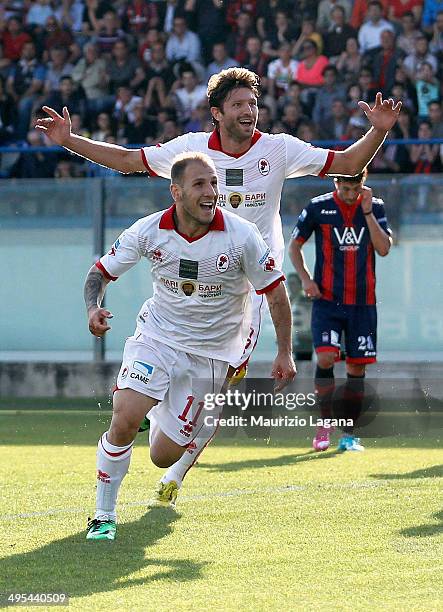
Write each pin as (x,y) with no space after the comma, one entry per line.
(180,381)
(253,320)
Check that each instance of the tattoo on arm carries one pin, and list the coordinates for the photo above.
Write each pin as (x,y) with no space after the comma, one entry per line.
(94,290)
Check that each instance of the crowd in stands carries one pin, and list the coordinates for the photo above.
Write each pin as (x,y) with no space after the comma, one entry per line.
(135,71)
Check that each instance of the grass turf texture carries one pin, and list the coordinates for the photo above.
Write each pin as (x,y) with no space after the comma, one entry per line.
(260,525)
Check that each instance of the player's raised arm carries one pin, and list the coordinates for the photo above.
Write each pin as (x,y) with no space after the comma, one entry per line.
(355,158)
(58,130)
(94,290)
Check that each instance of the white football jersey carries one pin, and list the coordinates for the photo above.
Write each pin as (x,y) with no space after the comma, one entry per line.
(250,184)
(200,285)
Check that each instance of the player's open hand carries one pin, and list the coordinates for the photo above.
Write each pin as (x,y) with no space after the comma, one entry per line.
(383,114)
(283,371)
(56,127)
(98,321)
(311,289)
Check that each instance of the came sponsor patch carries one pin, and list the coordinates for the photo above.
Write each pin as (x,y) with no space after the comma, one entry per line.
(142,371)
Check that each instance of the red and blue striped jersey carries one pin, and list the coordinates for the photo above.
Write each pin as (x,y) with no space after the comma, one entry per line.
(345,257)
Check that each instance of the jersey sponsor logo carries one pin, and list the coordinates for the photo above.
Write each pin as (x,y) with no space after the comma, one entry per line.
(330,337)
(252,200)
(143,371)
(222,263)
(348,239)
(235,199)
(264,256)
(269,264)
(114,248)
(325,211)
(188,287)
(264,167)
(188,269)
(170,284)
(334,338)
(234,177)
(210,291)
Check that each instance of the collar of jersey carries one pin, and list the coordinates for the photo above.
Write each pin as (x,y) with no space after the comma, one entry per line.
(167,222)
(347,210)
(214,143)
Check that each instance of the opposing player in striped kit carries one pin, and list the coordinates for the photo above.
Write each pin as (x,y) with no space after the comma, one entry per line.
(203,262)
(251,168)
(350,226)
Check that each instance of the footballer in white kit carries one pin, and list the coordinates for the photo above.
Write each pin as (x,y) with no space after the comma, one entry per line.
(190,330)
(250,185)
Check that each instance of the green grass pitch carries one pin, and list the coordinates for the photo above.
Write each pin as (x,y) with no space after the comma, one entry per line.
(260,524)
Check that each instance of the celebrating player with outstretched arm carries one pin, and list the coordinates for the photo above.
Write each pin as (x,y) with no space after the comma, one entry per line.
(350,226)
(203,261)
(251,168)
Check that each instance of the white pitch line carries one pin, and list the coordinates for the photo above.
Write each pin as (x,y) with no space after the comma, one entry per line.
(191,498)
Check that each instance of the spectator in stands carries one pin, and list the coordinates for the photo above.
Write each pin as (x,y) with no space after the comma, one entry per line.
(38,13)
(53,35)
(350,62)
(236,41)
(14,39)
(353,96)
(413,62)
(292,118)
(256,60)
(310,69)
(168,131)
(125,103)
(139,129)
(294,95)
(409,87)
(108,32)
(324,13)
(183,45)
(167,11)
(67,95)
(264,123)
(397,8)
(431,8)
(330,90)
(365,81)
(435,117)
(235,7)
(8,115)
(281,72)
(406,39)
(199,118)
(159,79)
(124,68)
(25,85)
(220,60)
(189,96)
(436,45)
(90,74)
(338,33)
(360,12)
(5,64)
(425,157)
(307,132)
(57,67)
(427,88)
(145,44)
(207,19)
(34,165)
(104,128)
(369,35)
(278,32)
(404,125)
(308,32)
(267,12)
(385,62)
(334,126)
(400,94)
(391,157)
(78,127)
(70,15)
(138,16)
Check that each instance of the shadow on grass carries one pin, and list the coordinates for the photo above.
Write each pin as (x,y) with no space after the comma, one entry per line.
(436,471)
(291,459)
(79,567)
(425,531)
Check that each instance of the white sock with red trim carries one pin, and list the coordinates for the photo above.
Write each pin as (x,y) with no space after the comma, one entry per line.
(112,467)
(180,468)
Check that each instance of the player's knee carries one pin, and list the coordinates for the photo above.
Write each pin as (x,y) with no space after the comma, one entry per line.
(122,431)
(159,458)
(326,360)
(356,369)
